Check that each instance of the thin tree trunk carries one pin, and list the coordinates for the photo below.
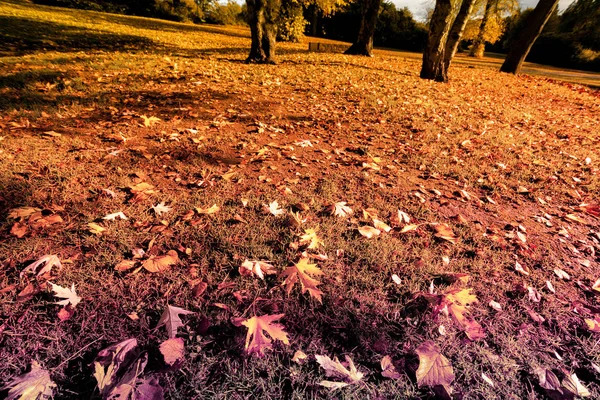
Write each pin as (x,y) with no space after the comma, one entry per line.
(478,47)
(314,20)
(527,36)
(364,43)
(456,32)
(439,28)
(261,17)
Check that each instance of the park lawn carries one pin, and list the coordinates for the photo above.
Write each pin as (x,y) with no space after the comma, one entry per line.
(498,175)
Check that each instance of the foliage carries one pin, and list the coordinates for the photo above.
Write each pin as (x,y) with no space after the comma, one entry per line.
(291,22)
(230,13)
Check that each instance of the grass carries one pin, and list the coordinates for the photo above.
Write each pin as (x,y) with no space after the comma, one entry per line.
(91,76)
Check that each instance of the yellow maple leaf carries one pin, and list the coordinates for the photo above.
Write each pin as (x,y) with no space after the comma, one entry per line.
(300,272)
(311,239)
(458,300)
(256,340)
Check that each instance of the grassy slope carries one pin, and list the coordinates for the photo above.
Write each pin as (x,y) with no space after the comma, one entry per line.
(91,76)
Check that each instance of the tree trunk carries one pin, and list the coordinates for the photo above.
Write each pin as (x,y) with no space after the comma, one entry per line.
(478,47)
(261,18)
(364,43)
(439,28)
(532,28)
(456,32)
(314,17)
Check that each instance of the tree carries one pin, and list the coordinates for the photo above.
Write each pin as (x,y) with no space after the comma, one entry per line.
(534,24)
(262,16)
(457,30)
(489,26)
(364,43)
(442,19)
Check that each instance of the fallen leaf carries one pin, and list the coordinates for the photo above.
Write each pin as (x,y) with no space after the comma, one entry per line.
(495,305)
(561,274)
(574,385)
(444,232)
(369,231)
(458,300)
(487,379)
(161,263)
(382,226)
(149,121)
(19,230)
(210,210)
(49,262)
(161,209)
(33,385)
(335,369)
(95,228)
(434,369)
(125,265)
(69,295)
(310,239)
(299,357)
(403,218)
(593,324)
(409,228)
(273,208)
(256,340)
(170,319)
(340,209)
(172,350)
(548,380)
(112,217)
(22,212)
(256,268)
(519,268)
(300,272)
(387,368)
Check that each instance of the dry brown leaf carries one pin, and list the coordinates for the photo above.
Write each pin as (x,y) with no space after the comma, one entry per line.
(33,385)
(574,385)
(48,261)
(161,263)
(300,272)
(95,228)
(387,368)
(256,268)
(310,239)
(125,265)
(19,230)
(172,350)
(340,209)
(593,324)
(334,368)
(458,300)
(382,226)
(170,319)
(256,340)
(23,212)
(409,228)
(444,232)
(434,368)
(208,211)
(368,231)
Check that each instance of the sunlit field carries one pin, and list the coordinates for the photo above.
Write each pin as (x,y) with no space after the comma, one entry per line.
(383,220)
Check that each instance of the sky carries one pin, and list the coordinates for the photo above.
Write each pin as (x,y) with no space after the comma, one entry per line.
(418,7)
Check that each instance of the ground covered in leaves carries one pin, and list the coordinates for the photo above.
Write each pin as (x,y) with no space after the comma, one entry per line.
(226,230)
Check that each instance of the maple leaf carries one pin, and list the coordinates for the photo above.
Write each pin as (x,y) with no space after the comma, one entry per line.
(311,239)
(387,368)
(170,319)
(256,340)
(33,385)
(457,302)
(149,121)
(335,369)
(300,272)
(161,209)
(172,350)
(574,385)
(113,216)
(434,368)
(257,268)
(70,295)
(161,263)
(117,370)
(49,261)
(340,209)
(273,208)
(369,231)
(210,210)
(403,217)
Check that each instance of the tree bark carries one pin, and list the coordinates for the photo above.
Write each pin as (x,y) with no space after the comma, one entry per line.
(532,28)
(363,45)
(456,32)
(261,18)
(439,28)
(478,47)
